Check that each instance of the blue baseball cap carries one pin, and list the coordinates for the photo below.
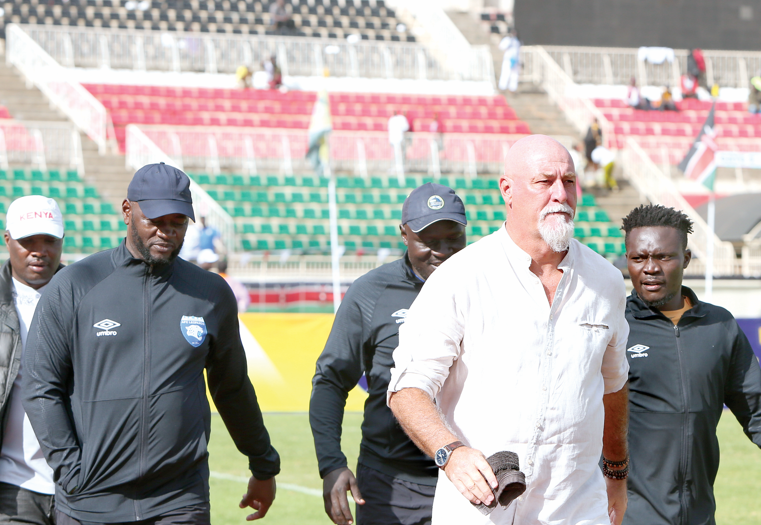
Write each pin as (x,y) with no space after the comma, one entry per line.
(431,203)
(161,190)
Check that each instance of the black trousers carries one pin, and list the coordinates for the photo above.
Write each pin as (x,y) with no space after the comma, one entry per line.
(19,505)
(392,501)
(191,515)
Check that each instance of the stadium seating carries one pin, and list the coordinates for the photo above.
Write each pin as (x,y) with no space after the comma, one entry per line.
(4,113)
(279,213)
(90,223)
(675,130)
(370,19)
(292,110)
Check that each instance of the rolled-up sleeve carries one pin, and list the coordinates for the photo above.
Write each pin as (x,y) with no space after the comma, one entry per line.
(615,367)
(430,340)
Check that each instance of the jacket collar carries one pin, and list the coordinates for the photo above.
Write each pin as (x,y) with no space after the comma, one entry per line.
(640,310)
(408,274)
(7,307)
(121,256)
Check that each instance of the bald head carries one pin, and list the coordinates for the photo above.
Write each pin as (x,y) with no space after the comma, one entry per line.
(538,186)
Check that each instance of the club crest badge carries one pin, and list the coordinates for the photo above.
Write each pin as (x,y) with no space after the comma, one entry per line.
(193,329)
(435,202)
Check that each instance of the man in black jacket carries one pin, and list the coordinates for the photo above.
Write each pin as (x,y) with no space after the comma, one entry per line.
(395,481)
(115,385)
(34,237)
(687,359)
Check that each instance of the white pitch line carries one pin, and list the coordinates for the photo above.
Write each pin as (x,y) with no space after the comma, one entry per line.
(286,486)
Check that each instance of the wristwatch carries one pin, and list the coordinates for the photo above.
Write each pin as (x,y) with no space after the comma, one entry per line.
(443,454)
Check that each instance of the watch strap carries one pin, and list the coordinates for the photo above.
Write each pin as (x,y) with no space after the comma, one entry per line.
(455,444)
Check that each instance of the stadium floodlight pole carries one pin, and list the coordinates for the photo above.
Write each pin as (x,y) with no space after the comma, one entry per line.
(335,250)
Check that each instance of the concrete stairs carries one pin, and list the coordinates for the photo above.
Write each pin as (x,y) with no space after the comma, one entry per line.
(106,172)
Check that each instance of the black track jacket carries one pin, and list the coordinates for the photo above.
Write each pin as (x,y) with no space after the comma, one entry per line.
(679,379)
(114,386)
(364,336)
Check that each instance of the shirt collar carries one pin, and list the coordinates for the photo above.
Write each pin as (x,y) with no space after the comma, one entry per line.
(25,294)
(517,255)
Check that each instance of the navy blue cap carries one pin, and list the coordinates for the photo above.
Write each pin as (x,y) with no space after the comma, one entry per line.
(431,203)
(161,190)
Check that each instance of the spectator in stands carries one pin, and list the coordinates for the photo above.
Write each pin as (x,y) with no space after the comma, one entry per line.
(592,139)
(511,61)
(577,154)
(689,85)
(667,101)
(274,75)
(398,125)
(754,97)
(209,238)
(243,76)
(242,296)
(606,159)
(280,18)
(436,129)
(696,66)
(191,247)
(633,97)
(395,481)
(34,232)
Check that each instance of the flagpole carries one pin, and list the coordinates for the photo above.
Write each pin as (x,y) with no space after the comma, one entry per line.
(335,254)
(708,296)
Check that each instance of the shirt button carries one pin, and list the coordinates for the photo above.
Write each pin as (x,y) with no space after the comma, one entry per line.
(530,462)
(549,353)
(538,424)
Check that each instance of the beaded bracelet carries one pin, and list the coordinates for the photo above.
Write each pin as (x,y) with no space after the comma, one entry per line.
(616,464)
(620,474)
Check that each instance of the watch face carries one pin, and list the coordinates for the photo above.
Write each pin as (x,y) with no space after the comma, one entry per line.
(441,457)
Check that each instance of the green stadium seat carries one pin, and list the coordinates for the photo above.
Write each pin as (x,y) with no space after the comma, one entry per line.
(614,231)
(69,226)
(283,229)
(262,244)
(301,229)
(579,232)
(400,198)
(476,231)
(482,215)
(18,191)
(228,195)
(37,190)
(238,180)
(492,184)
(601,216)
(280,244)
(471,200)
(307,182)
(106,243)
(384,198)
(70,242)
(587,199)
(343,182)
(54,176)
(478,184)
(355,230)
(3,192)
(595,246)
(203,179)
(349,198)
(246,245)
(246,196)
(19,174)
(261,196)
(239,211)
(105,226)
(290,213)
(107,209)
(54,192)
(390,231)
(279,197)
(314,244)
(350,245)
(256,211)
(248,228)
(272,180)
(309,213)
(91,192)
(582,216)
(340,230)
(500,215)
(325,213)
(361,214)
(88,243)
(487,199)
(290,180)
(384,244)
(315,198)
(343,213)
(358,183)
(444,181)
(318,229)
(222,180)
(396,215)
(266,229)
(2,240)
(460,184)
(297,197)
(89,209)
(37,176)
(376,182)
(379,214)
(297,244)
(214,194)
(88,226)
(72,176)
(368,198)
(372,231)
(3,175)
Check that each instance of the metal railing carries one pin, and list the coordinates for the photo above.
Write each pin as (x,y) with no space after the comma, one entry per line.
(211,53)
(541,69)
(648,179)
(141,150)
(47,75)
(246,150)
(616,66)
(39,144)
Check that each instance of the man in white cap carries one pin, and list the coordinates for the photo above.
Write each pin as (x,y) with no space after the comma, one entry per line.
(34,234)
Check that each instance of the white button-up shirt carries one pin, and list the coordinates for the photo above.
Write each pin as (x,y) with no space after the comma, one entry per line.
(509,372)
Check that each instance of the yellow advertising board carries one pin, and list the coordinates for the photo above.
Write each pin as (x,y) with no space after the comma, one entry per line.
(281,350)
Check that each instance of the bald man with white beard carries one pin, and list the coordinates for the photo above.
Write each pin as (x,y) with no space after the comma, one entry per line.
(517,344)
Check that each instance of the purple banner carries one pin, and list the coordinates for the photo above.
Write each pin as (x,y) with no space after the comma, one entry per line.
(752,329)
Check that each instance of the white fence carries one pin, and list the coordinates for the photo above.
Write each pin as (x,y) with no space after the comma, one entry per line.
(246,150)
(141,151)
(210,53)
(616,66)
(40,144)
(42,71)
(541,69)
(648,179)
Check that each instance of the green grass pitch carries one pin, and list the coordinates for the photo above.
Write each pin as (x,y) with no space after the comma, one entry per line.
(299,486)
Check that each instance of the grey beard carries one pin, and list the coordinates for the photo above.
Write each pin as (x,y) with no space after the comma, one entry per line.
(557,238)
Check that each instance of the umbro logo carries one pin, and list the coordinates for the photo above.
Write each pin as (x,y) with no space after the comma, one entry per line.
(639,351)
(106,327)
(401,315)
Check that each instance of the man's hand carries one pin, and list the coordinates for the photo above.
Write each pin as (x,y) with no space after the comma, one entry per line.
(260,496)
(334,488)
(617,500)
(472,475)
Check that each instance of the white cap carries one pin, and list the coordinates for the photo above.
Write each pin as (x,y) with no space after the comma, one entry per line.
(207,256)
(34,215)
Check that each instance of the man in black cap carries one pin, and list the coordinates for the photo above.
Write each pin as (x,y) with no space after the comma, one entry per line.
(115,361)
(395,481)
